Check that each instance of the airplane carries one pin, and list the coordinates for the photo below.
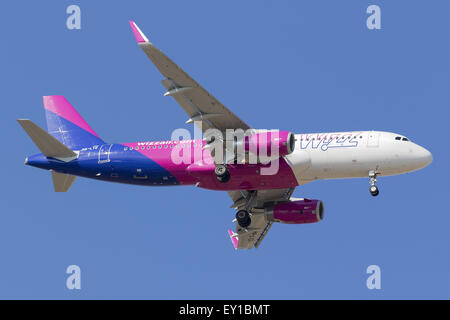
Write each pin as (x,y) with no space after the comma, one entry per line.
(71,148)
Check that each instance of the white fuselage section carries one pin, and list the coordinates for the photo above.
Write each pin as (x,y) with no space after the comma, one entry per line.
(353,154)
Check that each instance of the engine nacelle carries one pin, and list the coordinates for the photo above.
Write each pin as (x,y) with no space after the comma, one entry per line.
(296,212)
(267,143)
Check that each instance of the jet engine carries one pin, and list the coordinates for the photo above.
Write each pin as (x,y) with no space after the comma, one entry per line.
(296,211)
(267,143)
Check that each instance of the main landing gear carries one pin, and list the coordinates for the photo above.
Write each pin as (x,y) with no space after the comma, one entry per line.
(373,179)
(243,218)
(246,203)
(222,173)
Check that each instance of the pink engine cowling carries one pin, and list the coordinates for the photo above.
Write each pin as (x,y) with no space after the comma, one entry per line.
(296,212)
(269,142)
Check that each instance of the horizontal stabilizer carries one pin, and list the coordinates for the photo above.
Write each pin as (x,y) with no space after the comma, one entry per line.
(62,182)
(46,143)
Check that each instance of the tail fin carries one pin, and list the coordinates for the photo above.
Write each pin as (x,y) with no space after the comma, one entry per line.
(65,124)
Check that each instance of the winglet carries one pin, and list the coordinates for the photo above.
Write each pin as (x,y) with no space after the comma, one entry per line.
(234,239)
(138,34)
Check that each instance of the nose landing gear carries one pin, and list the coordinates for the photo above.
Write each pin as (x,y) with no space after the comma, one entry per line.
(373,179)
(374,191)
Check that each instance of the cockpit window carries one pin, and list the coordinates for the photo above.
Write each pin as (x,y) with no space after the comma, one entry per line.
(402,139)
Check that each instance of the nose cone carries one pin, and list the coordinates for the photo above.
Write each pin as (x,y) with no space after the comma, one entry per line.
(423,157)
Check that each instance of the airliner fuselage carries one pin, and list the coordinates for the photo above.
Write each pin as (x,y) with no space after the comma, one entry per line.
(316,156)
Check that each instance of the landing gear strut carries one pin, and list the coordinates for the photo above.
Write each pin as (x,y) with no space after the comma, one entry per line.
(222,173)
(243,218)
(373,179)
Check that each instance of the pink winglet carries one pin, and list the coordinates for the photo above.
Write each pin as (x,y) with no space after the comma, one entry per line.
(60,106)
(140,37)
(234,240)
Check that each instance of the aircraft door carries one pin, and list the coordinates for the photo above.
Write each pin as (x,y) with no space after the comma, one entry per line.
(103,153)
(373,139)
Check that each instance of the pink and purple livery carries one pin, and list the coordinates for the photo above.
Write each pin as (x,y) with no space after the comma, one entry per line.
(259,171)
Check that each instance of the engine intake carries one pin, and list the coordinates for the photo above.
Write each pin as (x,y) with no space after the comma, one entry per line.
(296,212)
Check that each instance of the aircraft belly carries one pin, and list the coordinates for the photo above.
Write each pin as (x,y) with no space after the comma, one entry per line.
(251,177)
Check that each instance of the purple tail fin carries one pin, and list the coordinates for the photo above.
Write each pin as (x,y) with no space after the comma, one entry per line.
(66,125)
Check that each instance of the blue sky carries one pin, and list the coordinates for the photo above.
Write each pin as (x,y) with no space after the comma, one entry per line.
(303,66)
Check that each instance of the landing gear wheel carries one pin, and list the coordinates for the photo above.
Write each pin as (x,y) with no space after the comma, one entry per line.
(374,191)
(243,218)
(222,173)
(373,179)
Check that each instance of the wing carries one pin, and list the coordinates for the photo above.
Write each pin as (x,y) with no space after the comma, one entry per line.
(198,103)
(254,202)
